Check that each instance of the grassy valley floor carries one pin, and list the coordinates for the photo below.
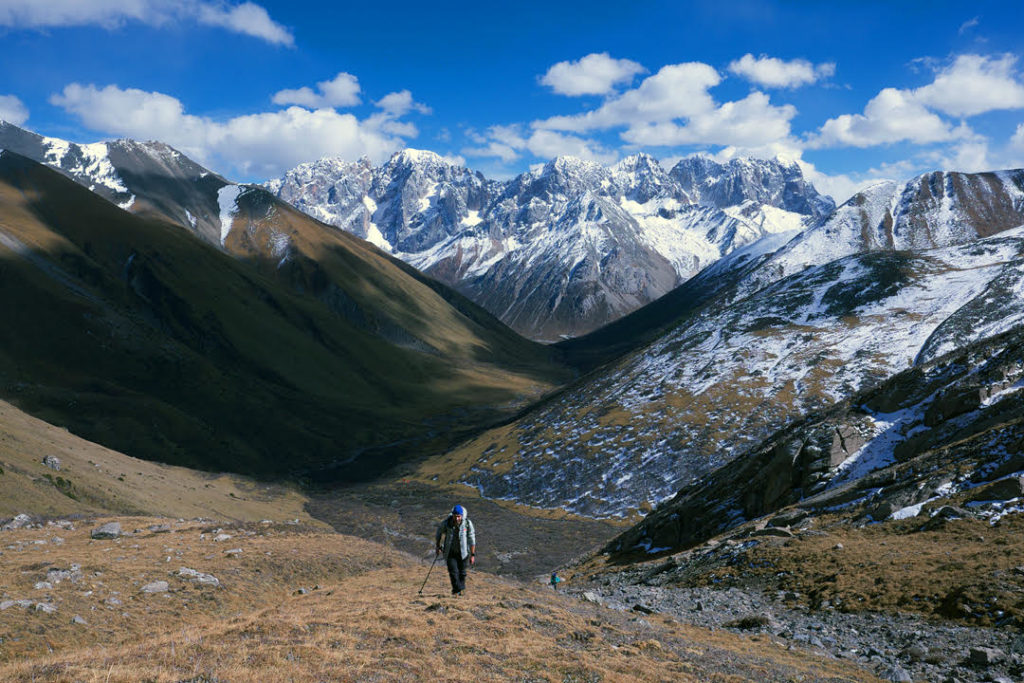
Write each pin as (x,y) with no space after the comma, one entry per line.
(298,603)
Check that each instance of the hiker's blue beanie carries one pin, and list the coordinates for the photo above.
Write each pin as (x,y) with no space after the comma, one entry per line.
(459,510)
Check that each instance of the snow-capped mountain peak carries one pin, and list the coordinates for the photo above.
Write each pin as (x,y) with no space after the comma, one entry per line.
(417,156)
(775,182)
(566,246)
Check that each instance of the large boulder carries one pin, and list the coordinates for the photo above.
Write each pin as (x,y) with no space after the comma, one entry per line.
(1003,489)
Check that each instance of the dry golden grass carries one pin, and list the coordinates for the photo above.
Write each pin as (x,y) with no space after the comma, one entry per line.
(103,480)
(363,619)
(963,569)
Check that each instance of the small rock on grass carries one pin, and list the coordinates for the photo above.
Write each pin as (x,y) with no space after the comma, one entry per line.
(107,531)
(897,674)
(156,587)
(201,578)
(750,622)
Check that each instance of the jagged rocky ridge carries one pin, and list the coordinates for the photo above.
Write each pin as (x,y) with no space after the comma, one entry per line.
(765,341)
(145,178)
(561,250)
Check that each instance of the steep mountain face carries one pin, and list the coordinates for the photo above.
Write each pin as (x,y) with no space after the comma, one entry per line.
(770,182)
(291,348)
(951,429)
(754,349)
(933,210)
(145,178)
(555,252)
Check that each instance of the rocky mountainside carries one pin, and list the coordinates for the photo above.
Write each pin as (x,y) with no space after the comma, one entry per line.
(948,430)
(885,529)
(555,252)
(755,349)
(145,178)
(288,348)
(933,210)
(772,183)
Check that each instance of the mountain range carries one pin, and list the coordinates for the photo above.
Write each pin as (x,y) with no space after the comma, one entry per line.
(553,253)
(565,248)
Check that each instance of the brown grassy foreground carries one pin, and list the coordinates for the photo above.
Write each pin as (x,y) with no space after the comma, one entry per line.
(362,618)
(963,569)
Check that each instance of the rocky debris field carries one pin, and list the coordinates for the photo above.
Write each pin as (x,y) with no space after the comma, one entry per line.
(896,647)
(938,596)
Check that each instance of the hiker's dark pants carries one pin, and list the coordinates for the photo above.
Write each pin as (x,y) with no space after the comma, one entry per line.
(457,572)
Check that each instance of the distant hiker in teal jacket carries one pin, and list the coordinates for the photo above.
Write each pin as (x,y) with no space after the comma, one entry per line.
(456,542)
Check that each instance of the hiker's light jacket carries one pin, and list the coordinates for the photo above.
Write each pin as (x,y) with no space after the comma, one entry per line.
(466,535)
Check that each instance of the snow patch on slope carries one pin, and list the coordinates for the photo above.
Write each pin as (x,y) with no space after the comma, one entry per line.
(227,199)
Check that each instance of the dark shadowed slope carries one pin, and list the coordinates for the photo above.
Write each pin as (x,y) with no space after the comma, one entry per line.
(135,334)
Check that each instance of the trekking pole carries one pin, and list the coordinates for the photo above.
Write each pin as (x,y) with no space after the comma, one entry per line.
(428,573)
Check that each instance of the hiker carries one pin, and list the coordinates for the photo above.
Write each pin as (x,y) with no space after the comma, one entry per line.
(555,580)
(459,544)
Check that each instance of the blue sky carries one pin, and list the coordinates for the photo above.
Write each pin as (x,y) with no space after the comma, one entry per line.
(854,91)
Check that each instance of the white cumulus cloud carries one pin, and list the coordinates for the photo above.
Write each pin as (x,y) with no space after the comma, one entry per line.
(595,74)
(674,107)
(772,72)
(974,84)
(677,90)
(969,156)
(969,86)
(13,110)
(751,122)
(261,145)
(401,103)
(246,18)
(341,91)
(1017,141)
(508,143)
(891,116)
